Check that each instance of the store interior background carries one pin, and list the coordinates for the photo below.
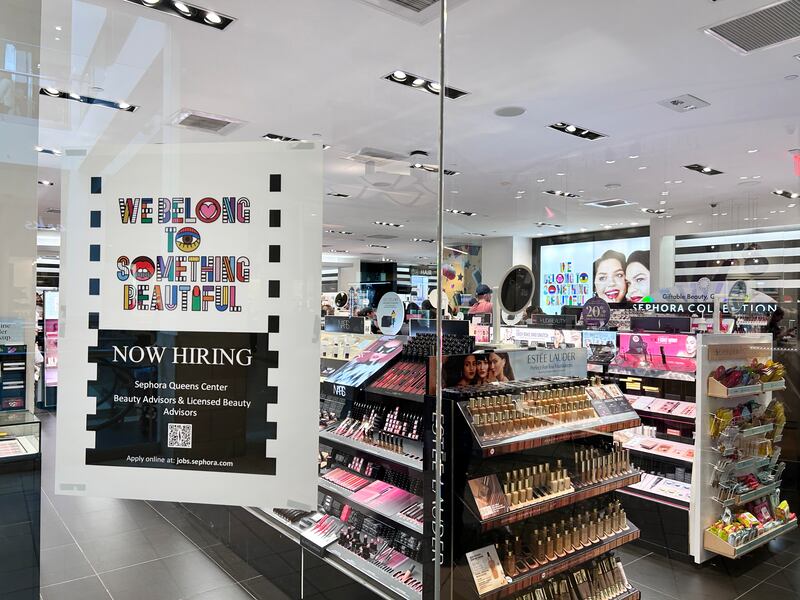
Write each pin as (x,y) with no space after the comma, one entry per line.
(317,71)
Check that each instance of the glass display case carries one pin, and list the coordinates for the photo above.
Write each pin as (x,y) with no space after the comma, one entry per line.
(19,436)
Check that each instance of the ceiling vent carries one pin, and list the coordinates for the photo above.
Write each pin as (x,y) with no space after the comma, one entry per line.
(761,29)
(417,11)
(200,121)
(684,103)
(611,203)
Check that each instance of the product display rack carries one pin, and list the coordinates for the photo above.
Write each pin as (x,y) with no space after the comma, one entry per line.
(729,351)
(472,457)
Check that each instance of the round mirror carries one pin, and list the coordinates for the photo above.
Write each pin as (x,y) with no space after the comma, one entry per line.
(341,300)
(516,291)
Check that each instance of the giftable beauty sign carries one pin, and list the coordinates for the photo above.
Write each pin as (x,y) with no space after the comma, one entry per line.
(190,335)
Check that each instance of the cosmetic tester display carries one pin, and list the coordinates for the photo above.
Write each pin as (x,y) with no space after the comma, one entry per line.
(530,483)
(738,504)
(373,518)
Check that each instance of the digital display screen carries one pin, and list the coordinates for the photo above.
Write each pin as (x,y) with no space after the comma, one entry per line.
(615,270)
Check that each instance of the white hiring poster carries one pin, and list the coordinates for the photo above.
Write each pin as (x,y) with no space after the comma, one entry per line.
(190,323)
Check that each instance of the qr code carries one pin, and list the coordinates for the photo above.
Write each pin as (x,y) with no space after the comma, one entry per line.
(179,435)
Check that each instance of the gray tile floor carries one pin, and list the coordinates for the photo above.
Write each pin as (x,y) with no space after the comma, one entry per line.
(770,573)
(101,549)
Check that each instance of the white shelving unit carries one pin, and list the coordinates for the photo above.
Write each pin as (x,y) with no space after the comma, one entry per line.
(715,350)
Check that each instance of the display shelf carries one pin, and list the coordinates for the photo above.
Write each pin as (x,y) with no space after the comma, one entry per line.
(759,492)
(553,434)
(662,490)
(390,519)
(372,390)
(655,497)
(715,544)
(748,465)
(361,571)
(759,429)
(663,449)
(583,493)
(652,406)
(522,582)
(717,390)
(349,444)
(380,577)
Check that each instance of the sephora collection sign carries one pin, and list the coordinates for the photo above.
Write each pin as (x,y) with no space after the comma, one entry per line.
(190,336)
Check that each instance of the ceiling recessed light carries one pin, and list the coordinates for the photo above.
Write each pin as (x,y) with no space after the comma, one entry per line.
(189,12)
(746,219)
(704,169)
(42,150)
(45,182)
(212,18)
(182,8)
(678,181)
(668,182)
(633,223)
(791,205)
(689,222)
(517,197)
(577,131)
(584,229)
(54,93)
(339,232)
(399,75)
(338,195)
(456,211)
(435,86)
(724,214)
(714,214)
(418,82)
(561,193)
(560,174)
(786,194)
(752,150)
(422,240)
(610,162)
(509,111)
(756,177)
(772,212)
(662,202)
(476,234)
(607,226)
(520,191)
(58,27)
(541,180)
(387,224)
(665,193)
(743,177)
(633,156)
(377,246)
(642,168)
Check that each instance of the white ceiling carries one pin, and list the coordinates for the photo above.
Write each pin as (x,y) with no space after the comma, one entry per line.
(310,67)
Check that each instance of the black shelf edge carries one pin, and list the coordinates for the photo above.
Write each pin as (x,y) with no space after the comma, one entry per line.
(580,494)
(326,437)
